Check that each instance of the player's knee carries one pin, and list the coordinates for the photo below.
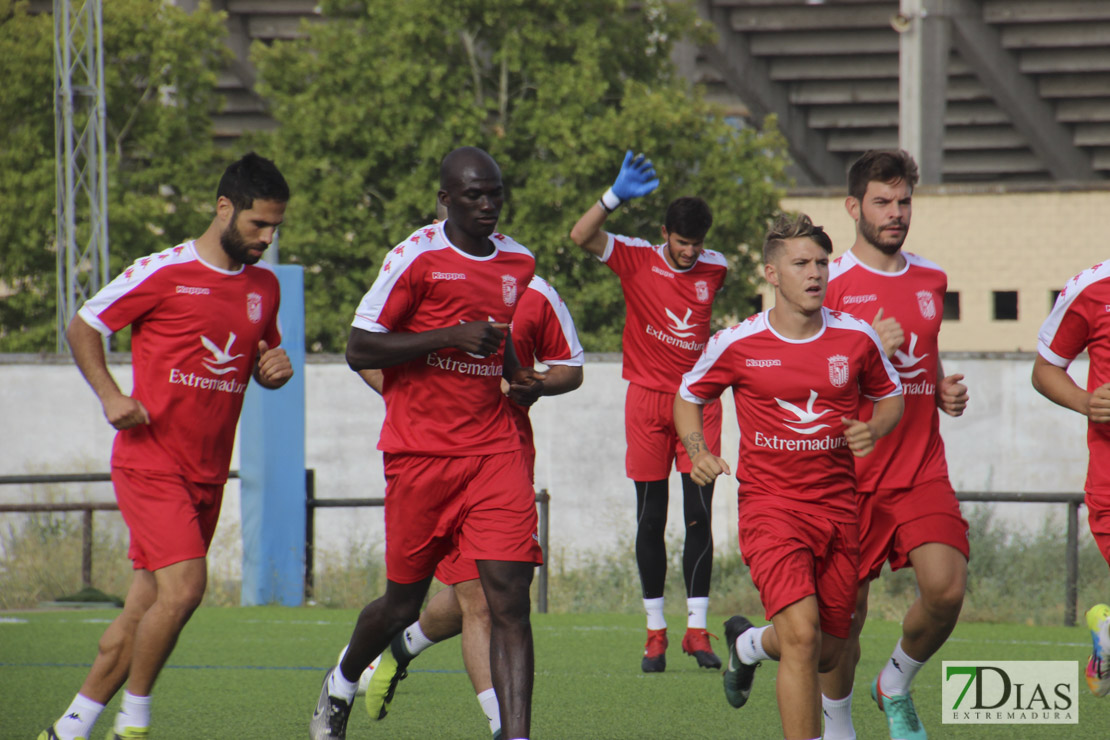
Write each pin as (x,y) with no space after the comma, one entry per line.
(831,655)
(651,526)
(944,601)
(183,601)
(802,642)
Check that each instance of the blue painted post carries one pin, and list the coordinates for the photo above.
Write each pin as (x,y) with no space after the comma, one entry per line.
(272,464)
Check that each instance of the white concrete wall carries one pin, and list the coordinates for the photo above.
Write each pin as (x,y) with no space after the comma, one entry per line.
(1010,439)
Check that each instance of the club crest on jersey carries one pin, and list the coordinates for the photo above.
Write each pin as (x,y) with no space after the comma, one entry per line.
(254,307)
(838,370)
(508,289)
(702,289)
(927,305)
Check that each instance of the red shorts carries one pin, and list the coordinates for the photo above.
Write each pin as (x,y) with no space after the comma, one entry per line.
(171,519)
(894,522)
(653,445)
(1098,518)
(455,569)
(795,554)
(481,505)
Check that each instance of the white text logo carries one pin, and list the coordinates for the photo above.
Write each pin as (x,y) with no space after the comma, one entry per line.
(850,299)
(448,276)
(483,369)
(674,341)
(763,363)
(190,290)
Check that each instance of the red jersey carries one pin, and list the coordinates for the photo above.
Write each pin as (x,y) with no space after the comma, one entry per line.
(913,453)
(448,402)
(790,397)
(543,331)
(667,311)
(195,330)
(1081,320)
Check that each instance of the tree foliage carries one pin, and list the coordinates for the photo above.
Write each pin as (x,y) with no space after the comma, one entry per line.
(369,102)
(161,66)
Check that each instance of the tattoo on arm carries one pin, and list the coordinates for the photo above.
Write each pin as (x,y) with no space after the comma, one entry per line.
(694,443)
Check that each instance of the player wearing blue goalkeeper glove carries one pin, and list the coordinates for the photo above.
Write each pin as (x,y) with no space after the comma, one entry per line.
(668,293)
(636,179)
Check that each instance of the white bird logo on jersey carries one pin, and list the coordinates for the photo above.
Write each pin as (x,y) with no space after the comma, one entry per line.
(903,362)
(808,416)
(680,325)
(219,356)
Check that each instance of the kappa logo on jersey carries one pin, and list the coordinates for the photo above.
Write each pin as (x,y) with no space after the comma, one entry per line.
(749,362)
(926,304)
(701,288)
(854,299)
(508,289)
(190,290)
(254,307)
(679,326)
(803,417)
(838,370)
(220,357)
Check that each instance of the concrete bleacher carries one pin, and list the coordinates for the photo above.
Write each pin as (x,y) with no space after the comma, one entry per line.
(1016,91)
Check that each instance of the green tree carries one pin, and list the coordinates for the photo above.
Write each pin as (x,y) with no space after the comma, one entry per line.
(160,66)
(370,101)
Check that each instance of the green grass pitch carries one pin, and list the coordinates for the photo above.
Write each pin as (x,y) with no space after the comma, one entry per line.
(255,673)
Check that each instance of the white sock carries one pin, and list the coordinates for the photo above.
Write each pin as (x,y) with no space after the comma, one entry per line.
(697,609)
(414,640)
(488,700)
(340,687)
(898,672)
(134,711)
(654,609)
(78,719)
(838,718)
(749,646)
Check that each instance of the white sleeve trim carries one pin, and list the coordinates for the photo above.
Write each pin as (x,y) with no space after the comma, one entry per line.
(686,395)
(94,321)
(608,252)
(1049,355)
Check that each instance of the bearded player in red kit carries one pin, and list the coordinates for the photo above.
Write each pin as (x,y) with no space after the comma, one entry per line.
(908,511)
(204,320)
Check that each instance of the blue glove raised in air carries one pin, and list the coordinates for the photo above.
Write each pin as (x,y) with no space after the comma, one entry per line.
(636,179)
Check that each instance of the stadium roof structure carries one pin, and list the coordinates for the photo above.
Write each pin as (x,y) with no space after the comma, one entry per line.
(979,90)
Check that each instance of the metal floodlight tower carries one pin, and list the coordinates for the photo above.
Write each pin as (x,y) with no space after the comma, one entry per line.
(79,153)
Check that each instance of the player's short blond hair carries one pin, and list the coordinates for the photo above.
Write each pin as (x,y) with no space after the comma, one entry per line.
(793,227)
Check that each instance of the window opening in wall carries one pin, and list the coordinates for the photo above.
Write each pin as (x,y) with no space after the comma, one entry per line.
(952,306)
(1005,305)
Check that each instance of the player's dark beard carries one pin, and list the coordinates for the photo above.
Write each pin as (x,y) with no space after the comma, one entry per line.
(236,246)
(873,235)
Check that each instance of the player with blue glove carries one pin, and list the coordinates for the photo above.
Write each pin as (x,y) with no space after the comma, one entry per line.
(668,292)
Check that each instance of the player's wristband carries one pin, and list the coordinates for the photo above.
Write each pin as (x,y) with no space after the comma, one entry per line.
(609,201)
